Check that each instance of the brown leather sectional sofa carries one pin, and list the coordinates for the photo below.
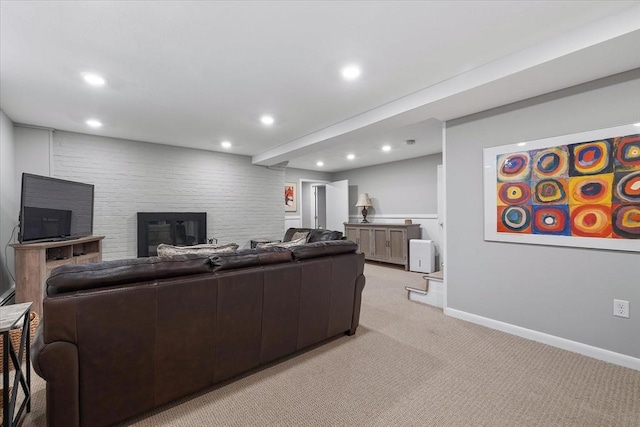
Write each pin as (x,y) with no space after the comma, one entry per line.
(120,338)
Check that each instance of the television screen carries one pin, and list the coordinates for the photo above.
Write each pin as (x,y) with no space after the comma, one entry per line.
(52,209)
(43,223)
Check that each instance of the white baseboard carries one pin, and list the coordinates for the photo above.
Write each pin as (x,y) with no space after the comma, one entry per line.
(563,343)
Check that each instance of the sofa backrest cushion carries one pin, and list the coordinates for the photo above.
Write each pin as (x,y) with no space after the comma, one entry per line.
(323,248)
(203,249)
(293,242)
(315,234)
(323,235)
(76,277)
(300,235)
(250,258)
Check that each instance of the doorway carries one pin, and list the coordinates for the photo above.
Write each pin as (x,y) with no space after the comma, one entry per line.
(325,204)
(319,206)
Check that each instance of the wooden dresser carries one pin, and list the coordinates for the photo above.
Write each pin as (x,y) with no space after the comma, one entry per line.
(34,262)
(383,242)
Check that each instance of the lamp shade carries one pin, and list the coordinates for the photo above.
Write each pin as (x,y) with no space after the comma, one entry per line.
(363,200)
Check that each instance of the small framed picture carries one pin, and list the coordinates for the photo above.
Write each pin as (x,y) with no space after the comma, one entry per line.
(290,197)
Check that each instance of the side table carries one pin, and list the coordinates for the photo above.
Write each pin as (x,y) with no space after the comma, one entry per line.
(9,317)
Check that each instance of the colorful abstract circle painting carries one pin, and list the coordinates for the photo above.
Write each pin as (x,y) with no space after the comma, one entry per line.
(590,158)
(590,189)
(627,152)
(514,193)
(626,221)
(514,167)
(581,190)
(591,220)
(550,191)
(550,163)
(552,219)
(627,187)
(515,219)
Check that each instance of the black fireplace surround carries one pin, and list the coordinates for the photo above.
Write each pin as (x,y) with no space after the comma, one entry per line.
(173,228)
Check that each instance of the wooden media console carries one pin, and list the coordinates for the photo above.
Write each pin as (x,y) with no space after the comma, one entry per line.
(34,262)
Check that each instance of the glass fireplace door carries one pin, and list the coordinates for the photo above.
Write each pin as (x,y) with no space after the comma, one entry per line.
(173,228)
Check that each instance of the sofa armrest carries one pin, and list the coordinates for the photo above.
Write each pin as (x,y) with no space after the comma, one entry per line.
(57,364)
(36,347)
(357,302)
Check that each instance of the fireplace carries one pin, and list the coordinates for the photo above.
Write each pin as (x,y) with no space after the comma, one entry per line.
(174,228)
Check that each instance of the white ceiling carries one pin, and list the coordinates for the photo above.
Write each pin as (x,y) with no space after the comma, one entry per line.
(196,73)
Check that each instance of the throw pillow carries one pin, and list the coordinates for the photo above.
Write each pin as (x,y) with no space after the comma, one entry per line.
(297,242)
(299,235)
(205,249)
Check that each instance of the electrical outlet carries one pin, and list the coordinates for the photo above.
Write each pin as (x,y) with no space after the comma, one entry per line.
(621,308)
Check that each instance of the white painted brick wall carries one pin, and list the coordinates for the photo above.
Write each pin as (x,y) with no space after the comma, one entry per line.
(242,200)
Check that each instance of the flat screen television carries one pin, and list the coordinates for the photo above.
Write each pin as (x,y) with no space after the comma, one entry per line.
(54,209)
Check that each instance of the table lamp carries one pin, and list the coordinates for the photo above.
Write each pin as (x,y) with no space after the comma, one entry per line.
(364,202)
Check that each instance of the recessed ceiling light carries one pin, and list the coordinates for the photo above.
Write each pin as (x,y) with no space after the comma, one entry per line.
(93,79)
(351,156)
(351,72)
(267,120)
(521,144)
(225,144)
(386,148)
(637,124)
(94,123)
(320,163)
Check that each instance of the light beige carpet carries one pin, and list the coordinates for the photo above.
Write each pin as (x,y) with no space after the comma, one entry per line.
(409,365)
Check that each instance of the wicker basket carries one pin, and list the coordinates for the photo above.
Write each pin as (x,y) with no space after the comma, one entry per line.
(15,334)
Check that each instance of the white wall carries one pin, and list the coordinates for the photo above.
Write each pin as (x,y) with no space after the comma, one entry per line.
(33,152)
(22,149)
(560,291)
(9,200)
(242,201)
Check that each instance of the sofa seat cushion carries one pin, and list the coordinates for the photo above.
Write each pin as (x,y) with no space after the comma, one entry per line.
(250,258)
(76,277)
(204,249)
(326,248)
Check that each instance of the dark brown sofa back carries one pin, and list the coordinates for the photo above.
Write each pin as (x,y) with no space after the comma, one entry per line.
(250,258)
(76,277)
(80,277)
(323,248)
